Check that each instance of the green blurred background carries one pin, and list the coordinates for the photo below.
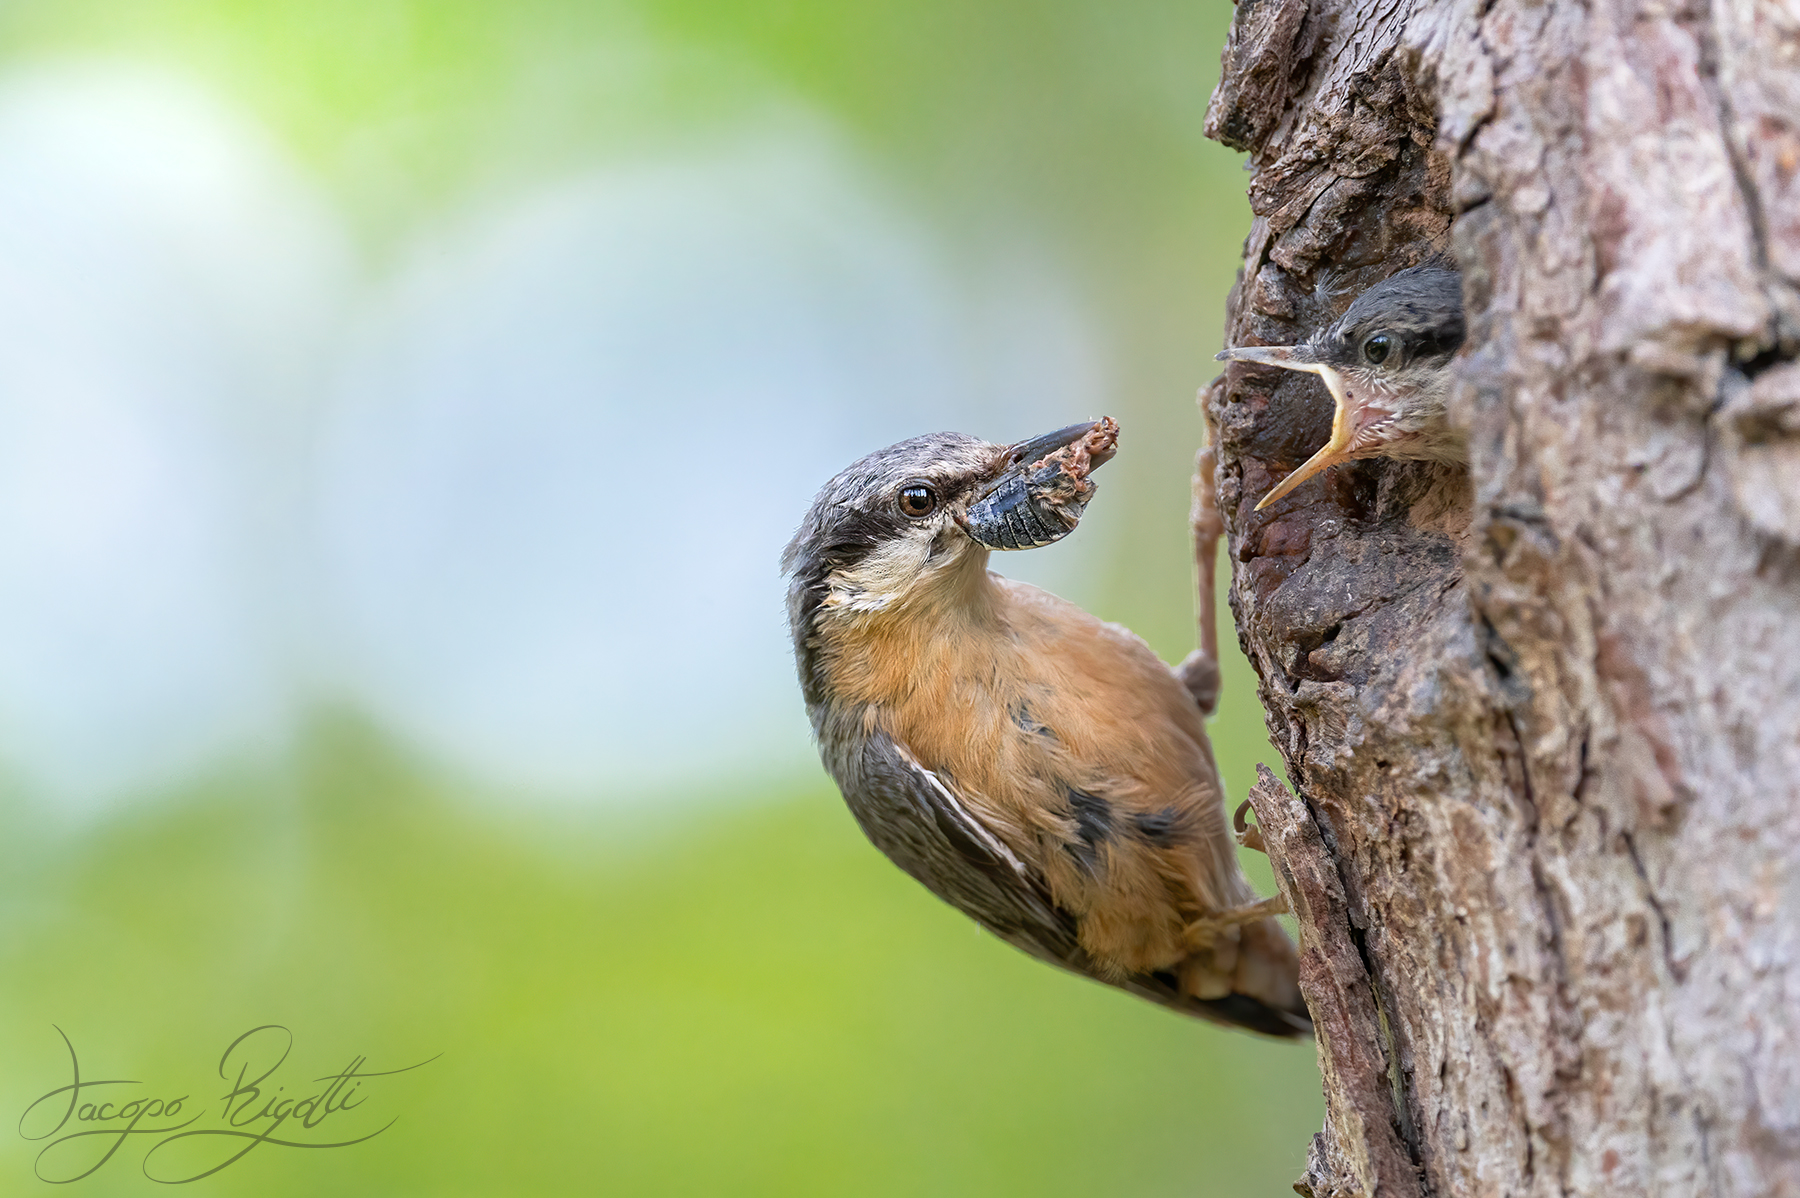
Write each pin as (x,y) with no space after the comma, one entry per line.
(669,964)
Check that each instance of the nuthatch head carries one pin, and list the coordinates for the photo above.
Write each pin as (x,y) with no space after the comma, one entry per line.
(1038,769)
(1386,363)
(911,514)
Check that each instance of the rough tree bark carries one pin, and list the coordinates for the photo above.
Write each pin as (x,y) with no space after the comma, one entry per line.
(1543,717)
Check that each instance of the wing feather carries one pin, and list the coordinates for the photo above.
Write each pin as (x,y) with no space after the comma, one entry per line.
(916,818)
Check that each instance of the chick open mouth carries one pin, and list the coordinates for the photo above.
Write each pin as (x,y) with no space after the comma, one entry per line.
(1343,420)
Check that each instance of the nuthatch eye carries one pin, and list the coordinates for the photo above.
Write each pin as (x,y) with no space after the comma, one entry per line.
(1038,769)
(1386,362)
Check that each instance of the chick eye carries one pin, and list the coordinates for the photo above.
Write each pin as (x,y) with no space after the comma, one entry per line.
(1375,349)
(917,500)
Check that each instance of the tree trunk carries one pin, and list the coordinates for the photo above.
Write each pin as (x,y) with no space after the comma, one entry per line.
(1543,717)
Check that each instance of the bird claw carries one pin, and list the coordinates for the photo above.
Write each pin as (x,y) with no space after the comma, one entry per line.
(1199,673)
(1207,928)
(1203,516)
(1248,834)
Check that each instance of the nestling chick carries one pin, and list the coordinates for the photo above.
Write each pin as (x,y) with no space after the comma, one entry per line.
(1038,769)
(1385,361)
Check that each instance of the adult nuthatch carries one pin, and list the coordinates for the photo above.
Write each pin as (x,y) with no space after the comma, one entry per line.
(1038,769)
(1385,361)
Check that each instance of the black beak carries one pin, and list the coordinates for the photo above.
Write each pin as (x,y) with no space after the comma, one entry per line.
(1043,488)
(1049,443)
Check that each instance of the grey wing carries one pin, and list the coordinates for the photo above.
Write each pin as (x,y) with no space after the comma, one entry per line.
(915,817)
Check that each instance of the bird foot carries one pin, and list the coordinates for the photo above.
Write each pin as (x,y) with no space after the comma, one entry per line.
(1199,673)
(1203,931)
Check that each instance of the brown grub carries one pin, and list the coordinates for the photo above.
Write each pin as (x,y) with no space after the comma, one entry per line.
(1059,481)
(1081,458)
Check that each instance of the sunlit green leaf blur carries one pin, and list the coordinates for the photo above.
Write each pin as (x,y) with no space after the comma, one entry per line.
(709,984)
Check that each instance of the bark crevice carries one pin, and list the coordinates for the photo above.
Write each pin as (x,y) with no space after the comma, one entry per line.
(1676,968)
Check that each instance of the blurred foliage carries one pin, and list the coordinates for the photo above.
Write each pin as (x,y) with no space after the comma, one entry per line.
(1063,109)
(743,997)
(741,1001)
(1071,125)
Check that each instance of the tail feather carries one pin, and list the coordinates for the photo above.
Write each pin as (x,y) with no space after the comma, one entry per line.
(1241,1010)
(1285,1022)
(1252,983)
